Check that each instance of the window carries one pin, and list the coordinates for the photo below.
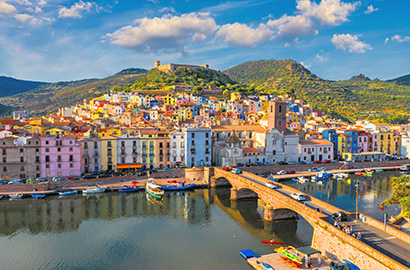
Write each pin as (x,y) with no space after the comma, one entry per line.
(122,160)
(71,142)
(71,158)
(134,143)
(4,160)
(167,144)
(122,144)
(4,152)
(71,165)
(71,149)
(59,149)
(85,161)
(47,158)
(21,150)
(85,145)
(58,165)
(206,135)
(47,150)
(95,145)
(58,158)
(151,144)
(47,142)
(37,159)
(108,144)
(144,160)
(160,145)
(192,135)
(4,169)
(37,168)
(22,168)
(21,159)
(280,108)
(37,150)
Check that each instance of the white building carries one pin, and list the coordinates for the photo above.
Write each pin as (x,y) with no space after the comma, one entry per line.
(315,150)
(128,151)
(177,139)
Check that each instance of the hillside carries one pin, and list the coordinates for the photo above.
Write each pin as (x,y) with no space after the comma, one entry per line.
(403,80)
(356,98)
(48,98)
(10,86)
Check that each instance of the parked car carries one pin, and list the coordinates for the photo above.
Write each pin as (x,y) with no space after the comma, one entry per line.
(167,169)
(303,162)
(290,172)
(41,179)
(89,176)
(313,169)
(298,196)
(240,164)
(236,171)
(282,163)
(4,182)
(227,168)
(322,169)
(340,215)
(267,163)
(327,161)
(342,265)
(259,163)
(292,163)
(271,185)
(281,172)
(72,178)
(58,179)
(14,182)
(317,161)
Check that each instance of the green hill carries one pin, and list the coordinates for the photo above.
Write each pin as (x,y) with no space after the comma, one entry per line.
(356,98)
(403,80)
(50,97)
(10,86)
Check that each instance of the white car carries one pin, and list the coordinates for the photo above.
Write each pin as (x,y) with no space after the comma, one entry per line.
(271,185)
(282,172)
(298,196)
(236,171)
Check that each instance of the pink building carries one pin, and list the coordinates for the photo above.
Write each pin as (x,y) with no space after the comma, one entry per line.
(60,156)
(362,142)
(182,102)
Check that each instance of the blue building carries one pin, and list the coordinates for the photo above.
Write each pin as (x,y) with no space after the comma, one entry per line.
(331,136)
(198,145)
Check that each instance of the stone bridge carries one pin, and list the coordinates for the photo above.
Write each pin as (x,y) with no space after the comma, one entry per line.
(332,242)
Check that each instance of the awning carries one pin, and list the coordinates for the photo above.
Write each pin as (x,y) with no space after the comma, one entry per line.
(129,166)
(307,250)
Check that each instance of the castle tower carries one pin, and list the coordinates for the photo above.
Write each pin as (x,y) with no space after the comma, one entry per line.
(157,63)
(277,115)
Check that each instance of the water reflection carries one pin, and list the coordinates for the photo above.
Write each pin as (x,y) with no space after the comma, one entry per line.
(342,193)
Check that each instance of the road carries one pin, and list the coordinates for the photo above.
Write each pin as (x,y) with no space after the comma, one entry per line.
(377,239)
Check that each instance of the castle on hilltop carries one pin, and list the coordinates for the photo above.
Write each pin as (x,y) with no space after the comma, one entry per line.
(170,68)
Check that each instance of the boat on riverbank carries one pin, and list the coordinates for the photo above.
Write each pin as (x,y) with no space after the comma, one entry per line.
(154,190)
(128,189)
(68,192)
(16,196)
(302,179)
(290,254)
(38,196)
(271,242)
(90,191)
(340,175)
(265,265)
(178,187)
(321,176)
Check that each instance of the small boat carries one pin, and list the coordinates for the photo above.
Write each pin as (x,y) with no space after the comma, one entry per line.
(16,196)
(272,242)
(378,171)
(68,192)
(265,265)
(322,175)
(340,175)
(247,253)
(128,189)
(369,173)
(1,196)
(351,265)
(154,190)
(178,187)
(302,179)
(290,253)
(96,190)
(38,196)
(294,180)
(360,173)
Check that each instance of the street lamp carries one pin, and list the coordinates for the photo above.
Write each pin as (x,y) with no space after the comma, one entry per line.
(357,198)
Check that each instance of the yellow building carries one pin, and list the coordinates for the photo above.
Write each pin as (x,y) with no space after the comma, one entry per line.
(114,131)
(53,131)
(386,142)
(235,95)
(148,148)
(108,153)
(37,129)
(344,143)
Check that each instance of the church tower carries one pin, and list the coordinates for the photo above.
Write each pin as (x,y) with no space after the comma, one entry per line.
(277,115)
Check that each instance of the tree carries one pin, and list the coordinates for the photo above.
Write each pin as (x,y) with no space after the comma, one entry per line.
(225,93)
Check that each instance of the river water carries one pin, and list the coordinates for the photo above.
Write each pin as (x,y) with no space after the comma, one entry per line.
(202,229)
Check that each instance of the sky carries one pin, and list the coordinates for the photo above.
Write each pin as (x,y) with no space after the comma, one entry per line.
(57,40)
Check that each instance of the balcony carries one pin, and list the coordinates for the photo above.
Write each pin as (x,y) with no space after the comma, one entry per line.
(144,154)
(135,153)
(192,151)
(85,154)
(96,154)
(207,152)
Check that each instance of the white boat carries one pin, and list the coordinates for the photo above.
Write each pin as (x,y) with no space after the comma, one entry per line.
(322,175)
(96,190)
(340,175)
(68,192)
(154,190)
(16,196)
(302,179)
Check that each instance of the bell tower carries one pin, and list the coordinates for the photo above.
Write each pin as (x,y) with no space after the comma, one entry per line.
(277,115)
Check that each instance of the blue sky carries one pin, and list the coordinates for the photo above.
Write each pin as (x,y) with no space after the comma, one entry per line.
(61,40)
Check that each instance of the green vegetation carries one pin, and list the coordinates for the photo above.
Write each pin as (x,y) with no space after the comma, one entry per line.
(349,100)
(401,195)
(403,80)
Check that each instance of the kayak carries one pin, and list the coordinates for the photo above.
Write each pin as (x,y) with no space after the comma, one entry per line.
(272,242)
(265,265)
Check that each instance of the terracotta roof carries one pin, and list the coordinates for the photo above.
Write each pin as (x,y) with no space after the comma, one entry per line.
(315,142)
(251,150)
(256,128)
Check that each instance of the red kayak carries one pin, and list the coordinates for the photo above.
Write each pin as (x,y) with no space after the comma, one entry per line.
(272,242)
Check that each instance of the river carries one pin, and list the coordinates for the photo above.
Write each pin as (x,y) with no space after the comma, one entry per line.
(202,229)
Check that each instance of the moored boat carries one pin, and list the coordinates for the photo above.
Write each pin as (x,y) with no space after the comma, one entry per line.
(302,179)
(322,175)
(340,175)
(351,265)
(360,173)
(68,192)
(96,190)
(178,187)
(290,253)
(128,189)
(378,171)
(16,196)
(154,190)
(38,196)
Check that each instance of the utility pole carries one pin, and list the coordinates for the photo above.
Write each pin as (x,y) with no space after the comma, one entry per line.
(385,220)
(357,199)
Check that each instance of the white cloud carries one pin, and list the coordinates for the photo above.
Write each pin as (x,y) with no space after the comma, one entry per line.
(350,43)
(42,3)
(242,35)
(23,2)
(331,12)
(322,57)
(26,18)
(75,10)
(7,10)
(400,38)
(167,10)
(386,40)
(370,9)
(168,33)
(293,26)
(306,65)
